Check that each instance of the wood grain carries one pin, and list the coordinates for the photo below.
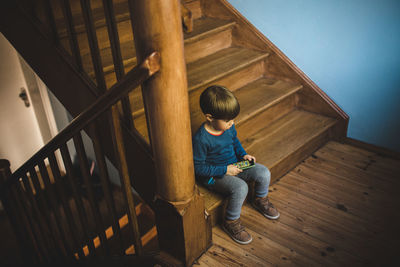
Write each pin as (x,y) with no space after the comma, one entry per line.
(331,215)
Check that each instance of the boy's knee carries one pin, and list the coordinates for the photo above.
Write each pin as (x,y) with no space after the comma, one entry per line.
(264,173)
(241,189)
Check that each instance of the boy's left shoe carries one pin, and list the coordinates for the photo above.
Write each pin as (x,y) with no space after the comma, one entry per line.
(263,205)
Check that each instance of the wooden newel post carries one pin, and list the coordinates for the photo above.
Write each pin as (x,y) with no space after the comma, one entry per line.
(181,223)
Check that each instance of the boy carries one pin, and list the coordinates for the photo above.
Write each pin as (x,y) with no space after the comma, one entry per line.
(215,148)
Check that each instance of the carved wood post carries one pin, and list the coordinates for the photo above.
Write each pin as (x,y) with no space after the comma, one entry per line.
(182,227)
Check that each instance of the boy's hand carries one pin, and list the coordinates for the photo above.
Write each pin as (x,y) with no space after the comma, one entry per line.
(233,170)
(249,158)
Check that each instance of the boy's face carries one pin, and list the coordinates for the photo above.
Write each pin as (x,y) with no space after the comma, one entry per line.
(221,125)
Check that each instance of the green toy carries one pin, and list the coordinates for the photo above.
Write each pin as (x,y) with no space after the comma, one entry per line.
(245,164)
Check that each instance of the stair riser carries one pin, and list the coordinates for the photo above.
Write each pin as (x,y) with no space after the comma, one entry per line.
(265,117)
(195,8)
(148,232)
(193,50)
(76,6)
(217,213)
(232,82)
(279,169)
(124,31)
(287,164)
(207,46)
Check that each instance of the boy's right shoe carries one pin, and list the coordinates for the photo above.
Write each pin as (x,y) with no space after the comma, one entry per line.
(263,205)
(237,232)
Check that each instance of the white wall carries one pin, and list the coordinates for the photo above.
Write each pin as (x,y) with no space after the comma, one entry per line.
(20,135)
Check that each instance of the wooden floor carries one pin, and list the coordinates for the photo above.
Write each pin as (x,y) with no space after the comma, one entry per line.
(339,207)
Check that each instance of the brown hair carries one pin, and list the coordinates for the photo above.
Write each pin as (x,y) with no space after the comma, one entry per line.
(219,102)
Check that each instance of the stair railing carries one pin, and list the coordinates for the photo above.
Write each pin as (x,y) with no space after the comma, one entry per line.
(35,197)
(49,19)
(168,164)
(46,15)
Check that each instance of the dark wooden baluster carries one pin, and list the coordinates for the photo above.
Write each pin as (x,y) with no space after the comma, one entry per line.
(15,213)
(105,182)
(78,201)
(93,44)
(36,235)
(49,188)
(43,230)
(83,162)
(114,38)
(67,210)
(119,150)
(28,231)
(51,21)
(117,58)
(43,205)
(73,42)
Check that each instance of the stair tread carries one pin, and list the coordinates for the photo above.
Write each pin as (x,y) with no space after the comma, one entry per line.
(227,61)
(273,143)
(276,141)
(202,27)
(219,64)
(121,11)
(261,94)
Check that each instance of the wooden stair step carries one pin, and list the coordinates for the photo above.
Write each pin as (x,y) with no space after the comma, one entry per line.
(216,33)
(216,66)
(121,10)
(146,227)
(288,140)
(205,26)
(262,94)
(213,203)
(195,7)
(209,35)
(279,146)
(220,64)
(141,126)
(202,28)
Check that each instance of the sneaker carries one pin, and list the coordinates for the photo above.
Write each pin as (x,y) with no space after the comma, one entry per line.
(263,205)
(237,232)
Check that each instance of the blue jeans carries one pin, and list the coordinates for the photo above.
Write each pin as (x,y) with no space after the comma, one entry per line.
(235,187)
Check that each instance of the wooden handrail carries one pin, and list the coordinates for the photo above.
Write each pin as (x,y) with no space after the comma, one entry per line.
(133,78)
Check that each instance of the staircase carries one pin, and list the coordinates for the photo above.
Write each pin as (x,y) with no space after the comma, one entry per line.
(284,116)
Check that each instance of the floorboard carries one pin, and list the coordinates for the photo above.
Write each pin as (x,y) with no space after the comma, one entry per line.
(339,207)
(336,210)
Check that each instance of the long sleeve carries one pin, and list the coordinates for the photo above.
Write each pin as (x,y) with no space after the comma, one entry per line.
(237,146)
(201,167)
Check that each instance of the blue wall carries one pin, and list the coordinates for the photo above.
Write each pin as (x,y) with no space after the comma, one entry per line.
(349,48)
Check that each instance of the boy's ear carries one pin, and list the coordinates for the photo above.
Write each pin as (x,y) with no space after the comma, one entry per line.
(209,118)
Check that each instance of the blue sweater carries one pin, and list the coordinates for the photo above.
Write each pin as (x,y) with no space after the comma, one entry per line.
(212,154)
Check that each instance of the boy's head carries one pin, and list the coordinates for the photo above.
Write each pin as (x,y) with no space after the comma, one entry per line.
(219,103)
